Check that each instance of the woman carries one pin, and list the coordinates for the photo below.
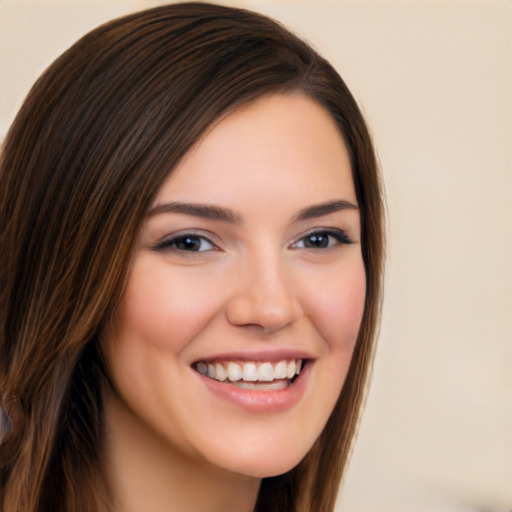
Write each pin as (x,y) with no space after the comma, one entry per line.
(191,270)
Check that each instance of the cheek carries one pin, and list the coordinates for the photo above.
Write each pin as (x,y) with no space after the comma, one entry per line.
(164,309)
(337,307)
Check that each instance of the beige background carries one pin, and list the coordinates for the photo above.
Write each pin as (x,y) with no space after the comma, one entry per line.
(434,79)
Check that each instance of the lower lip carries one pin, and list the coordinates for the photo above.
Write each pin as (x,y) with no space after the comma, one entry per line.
(265,401)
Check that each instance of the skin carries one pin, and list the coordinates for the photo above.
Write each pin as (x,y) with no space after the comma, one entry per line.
(254,284)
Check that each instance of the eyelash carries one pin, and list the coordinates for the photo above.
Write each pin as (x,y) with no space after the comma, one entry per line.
(171,244)
(339,235)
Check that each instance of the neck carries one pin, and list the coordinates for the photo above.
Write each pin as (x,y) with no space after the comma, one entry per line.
(148,473)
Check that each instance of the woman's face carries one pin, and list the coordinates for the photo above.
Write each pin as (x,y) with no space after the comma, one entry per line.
(249,271)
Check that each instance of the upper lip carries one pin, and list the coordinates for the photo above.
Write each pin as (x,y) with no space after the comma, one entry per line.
(269,355)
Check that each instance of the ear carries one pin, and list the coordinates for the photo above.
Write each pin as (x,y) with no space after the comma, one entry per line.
(11,426)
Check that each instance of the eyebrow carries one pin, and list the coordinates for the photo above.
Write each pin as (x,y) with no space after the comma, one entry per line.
(319,210)
(206,211)
(220,213)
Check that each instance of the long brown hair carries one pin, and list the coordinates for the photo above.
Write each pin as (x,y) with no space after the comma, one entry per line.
(91,146)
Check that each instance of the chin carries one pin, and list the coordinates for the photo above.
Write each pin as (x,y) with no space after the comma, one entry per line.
(264,457)
(264,468)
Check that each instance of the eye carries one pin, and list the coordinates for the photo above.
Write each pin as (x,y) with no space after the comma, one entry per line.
(187,242)
(322,239)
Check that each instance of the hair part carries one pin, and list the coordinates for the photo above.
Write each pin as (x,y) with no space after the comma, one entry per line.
(94,141)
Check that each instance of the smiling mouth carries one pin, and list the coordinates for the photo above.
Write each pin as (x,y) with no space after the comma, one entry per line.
(262,376)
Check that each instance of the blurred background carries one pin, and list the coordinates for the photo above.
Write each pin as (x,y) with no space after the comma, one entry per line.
(434,79)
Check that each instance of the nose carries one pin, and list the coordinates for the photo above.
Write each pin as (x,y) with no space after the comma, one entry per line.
(264,296)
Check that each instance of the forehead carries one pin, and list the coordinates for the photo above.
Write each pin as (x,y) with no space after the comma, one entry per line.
(278,146)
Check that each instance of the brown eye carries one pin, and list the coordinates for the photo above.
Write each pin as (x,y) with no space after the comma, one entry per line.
(324,239)
(316,241)
(186,243)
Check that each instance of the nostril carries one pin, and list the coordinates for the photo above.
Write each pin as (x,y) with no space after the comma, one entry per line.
(268,315)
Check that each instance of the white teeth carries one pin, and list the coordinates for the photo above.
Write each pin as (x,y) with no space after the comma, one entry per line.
(267,386)
(291,369)
(280,370)
(234,372)
(221,372)
(250,372)
(202,368)
(266,372)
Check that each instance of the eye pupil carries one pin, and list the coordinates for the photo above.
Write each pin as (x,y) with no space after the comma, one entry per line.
(316,241)
(189,243)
